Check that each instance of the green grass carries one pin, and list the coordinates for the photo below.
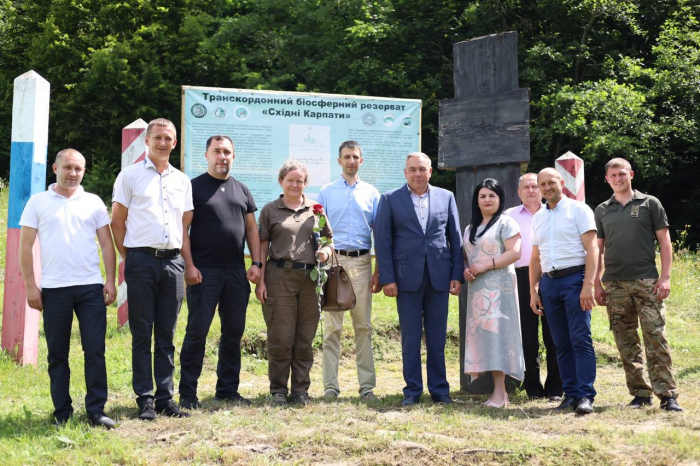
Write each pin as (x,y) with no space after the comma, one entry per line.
(350,432)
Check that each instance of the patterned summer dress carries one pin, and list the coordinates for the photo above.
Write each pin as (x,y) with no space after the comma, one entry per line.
(493,340)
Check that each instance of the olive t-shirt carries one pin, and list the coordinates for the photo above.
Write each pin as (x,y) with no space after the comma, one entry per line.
(290,232)
(218,231)
(629,232)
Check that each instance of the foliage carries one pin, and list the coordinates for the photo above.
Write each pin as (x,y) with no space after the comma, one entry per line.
(607,77)
(100,179)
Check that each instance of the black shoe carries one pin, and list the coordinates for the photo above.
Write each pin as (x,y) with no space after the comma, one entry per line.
(410,401)
(670,404)
(639,402)
(189,403)
(278,399)
(101,420)
(301,399)
(169,408)
(568,403)
(235,398)
(584,406)
(146,411)
(60,421)
(442,399)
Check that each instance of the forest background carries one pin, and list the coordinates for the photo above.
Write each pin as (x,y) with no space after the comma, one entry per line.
(608,78)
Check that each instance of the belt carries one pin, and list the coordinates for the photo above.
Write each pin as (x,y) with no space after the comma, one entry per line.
(564,272)
(523,267)
(356,253)
(295,265)
(162,253)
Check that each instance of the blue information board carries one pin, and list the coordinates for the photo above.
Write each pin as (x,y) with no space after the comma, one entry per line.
(268,127)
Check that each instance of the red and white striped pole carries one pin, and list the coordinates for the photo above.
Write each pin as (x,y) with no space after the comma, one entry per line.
(570,167)
(134,150)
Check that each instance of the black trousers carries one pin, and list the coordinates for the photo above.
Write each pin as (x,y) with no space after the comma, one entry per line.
(529,324)
(229,289)
(155,289)
(88,303)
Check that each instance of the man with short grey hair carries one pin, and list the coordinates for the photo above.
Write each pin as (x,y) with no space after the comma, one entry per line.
(419,252)
(531,199)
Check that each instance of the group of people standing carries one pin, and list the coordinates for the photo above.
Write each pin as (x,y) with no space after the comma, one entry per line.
(529,261)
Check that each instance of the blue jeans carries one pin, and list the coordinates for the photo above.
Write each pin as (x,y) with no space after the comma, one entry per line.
(571,330)
(88,303)
(229,289)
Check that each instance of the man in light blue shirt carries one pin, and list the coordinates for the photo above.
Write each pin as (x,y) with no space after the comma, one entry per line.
(351,207)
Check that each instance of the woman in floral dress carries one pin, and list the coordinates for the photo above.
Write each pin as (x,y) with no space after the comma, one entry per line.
(491,247)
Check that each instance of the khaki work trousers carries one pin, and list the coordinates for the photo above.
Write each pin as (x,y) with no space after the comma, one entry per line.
(291,315)
(360,271)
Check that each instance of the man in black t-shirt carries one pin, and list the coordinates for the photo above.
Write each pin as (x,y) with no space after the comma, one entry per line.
(215,272)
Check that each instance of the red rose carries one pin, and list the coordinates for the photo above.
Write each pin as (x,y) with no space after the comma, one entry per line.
(318,209)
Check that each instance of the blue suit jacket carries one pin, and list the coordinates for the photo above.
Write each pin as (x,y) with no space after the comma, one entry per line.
(402,247)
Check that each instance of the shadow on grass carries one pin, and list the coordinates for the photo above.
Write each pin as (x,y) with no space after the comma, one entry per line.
(688,372)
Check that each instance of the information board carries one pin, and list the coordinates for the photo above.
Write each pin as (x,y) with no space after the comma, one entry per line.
(268,127)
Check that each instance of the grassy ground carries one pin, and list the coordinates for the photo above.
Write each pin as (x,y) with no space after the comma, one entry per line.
(351,432)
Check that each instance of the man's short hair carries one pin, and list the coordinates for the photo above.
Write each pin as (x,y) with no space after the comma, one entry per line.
(420,155)
(63,152)
(218,137)
(160,122)
(293,164)
(617,162)
(350,145)
(522,177)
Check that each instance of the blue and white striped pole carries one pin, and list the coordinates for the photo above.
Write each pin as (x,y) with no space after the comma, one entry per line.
(30,133)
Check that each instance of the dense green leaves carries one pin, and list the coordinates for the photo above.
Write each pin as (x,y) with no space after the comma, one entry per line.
(607,77)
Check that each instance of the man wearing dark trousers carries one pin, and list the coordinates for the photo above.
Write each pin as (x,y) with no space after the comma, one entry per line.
(531,199)
(66,219)
(215,272)
(562,269)
(419,251)
(151,201)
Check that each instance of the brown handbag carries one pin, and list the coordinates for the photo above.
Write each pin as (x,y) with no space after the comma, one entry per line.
(338,293)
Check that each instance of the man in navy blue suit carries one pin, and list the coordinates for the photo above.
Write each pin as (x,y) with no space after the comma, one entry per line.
(419,250)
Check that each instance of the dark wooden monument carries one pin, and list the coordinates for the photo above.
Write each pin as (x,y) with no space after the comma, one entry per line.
(484,133)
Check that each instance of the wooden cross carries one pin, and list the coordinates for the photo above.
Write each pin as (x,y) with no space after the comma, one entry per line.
(484,133)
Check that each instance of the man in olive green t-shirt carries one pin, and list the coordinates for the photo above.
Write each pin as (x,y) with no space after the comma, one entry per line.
(628,224)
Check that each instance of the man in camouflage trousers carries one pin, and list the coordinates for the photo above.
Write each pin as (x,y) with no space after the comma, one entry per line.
(631,287)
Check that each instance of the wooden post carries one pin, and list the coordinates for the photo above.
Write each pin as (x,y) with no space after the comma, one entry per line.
(484,133)
(570,166)
(134,150)
(30,133)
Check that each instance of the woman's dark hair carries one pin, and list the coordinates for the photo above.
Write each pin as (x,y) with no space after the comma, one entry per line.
(477,217)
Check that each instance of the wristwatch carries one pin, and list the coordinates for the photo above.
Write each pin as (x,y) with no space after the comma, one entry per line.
(257,264)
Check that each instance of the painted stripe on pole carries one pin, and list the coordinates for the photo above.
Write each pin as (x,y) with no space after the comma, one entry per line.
(133,150)
(570,166)
(30,129)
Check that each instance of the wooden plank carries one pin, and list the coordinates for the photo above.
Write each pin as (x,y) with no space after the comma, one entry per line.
(486,65)
(484,129)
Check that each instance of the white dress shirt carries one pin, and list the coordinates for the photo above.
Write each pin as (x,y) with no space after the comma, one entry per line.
(421,204)
(156,203)
(557,233)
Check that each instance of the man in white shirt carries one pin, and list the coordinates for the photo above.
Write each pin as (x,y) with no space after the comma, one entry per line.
(66,219)
(151,200)
(562,268)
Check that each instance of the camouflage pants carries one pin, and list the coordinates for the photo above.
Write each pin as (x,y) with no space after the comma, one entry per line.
(630,302)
